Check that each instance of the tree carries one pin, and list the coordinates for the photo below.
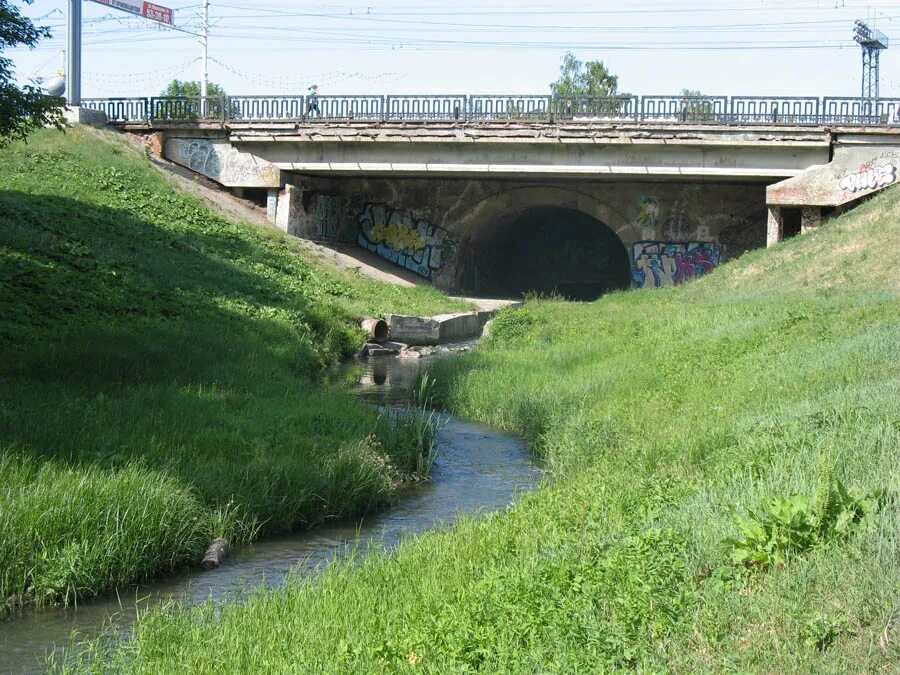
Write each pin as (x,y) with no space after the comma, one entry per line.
(22,109)
(579,78)
(586,89)
(191,88)
(696,107)
(190,108)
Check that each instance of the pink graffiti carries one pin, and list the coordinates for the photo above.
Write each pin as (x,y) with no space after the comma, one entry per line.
(692,265)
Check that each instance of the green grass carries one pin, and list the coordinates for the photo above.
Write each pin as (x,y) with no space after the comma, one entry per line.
(158,375)
(756,410)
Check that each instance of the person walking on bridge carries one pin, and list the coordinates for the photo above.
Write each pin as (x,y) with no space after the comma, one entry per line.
(312,100)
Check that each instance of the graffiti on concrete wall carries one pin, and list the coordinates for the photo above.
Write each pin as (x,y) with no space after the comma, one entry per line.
(329,216)
(222,162)
(677,225)
(660,263)
(397,236)
(648,212)
(869,177)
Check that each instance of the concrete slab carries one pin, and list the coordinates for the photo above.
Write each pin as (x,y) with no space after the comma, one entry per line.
(81,115)
(440,329)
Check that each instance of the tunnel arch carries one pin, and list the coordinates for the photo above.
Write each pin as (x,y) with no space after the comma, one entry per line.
(544,248)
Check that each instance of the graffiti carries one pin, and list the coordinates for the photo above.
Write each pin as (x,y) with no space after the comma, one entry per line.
(678,225)
(397,236)
(648,212)
(222,162)
(869,178)
(329,216)
(271,205)
(660,263)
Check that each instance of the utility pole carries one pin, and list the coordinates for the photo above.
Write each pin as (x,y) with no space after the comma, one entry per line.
(73,72)
(204,55)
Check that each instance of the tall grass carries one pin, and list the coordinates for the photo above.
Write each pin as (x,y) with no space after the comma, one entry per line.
(415,427)
(670,420)
(158,376)
(69,532)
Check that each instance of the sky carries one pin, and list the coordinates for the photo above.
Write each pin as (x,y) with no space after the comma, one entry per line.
(728,47)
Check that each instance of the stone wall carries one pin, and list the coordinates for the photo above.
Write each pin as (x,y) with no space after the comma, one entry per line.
(442,228)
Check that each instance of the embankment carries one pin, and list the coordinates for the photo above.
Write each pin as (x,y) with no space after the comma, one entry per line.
(725,493)
(158,375)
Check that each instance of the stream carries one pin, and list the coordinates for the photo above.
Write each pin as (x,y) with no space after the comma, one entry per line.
(477,470)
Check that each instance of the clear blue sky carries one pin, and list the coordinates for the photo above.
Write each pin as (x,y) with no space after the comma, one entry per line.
(477,46)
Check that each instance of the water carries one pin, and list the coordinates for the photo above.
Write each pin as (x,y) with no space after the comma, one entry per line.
(477,470)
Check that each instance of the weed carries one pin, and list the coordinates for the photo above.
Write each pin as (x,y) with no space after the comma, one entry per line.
(788,526)
(820,632)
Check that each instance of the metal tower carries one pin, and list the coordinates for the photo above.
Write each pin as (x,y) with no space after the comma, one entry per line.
(872,42)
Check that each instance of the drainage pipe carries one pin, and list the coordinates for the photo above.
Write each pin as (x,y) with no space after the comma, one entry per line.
(377,329)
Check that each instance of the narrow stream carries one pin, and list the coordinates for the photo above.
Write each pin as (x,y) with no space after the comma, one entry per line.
(477,470)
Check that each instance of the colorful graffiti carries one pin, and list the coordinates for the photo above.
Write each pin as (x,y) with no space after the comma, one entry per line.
(222,162)
(648,212)
(869,178)
(397,236)
(660,263)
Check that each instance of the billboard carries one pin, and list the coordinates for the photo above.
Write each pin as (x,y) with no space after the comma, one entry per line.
(148,10)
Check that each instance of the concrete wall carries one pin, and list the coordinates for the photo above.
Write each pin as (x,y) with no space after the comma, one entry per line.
(217,159)
(441,228)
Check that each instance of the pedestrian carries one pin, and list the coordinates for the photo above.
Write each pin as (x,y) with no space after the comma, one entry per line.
(312,100)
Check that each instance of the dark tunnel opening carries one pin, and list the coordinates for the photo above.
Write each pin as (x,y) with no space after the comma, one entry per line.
(546,250)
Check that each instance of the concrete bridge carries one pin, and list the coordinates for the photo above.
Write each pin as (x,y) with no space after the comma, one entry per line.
(533,193)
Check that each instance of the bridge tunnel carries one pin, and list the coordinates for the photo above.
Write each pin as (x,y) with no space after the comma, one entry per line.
(545,249)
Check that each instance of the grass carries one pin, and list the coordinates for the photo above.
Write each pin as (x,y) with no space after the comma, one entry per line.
(724,494)
(158,380)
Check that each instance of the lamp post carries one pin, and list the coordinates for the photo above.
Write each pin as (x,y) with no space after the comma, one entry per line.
(73,72)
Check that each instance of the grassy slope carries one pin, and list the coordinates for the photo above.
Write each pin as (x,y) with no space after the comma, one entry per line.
(665,416)
(156,380)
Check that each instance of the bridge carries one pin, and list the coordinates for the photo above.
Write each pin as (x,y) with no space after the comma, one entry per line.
(496,195)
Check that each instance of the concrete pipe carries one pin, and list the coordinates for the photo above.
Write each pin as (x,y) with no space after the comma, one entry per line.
(376,328)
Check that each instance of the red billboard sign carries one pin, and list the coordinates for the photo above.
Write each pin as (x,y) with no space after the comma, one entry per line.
(157,13)
(148,10)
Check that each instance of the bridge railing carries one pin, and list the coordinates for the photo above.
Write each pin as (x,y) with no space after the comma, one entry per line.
(695,109)
(775,109)
(845,110)
(788,110)
(189,108)
(504,108)
(423,108)
(598,108)
(266,108)
(120,109)
(370,108)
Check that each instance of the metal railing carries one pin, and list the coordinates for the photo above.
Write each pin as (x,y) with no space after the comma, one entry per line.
(777,110)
